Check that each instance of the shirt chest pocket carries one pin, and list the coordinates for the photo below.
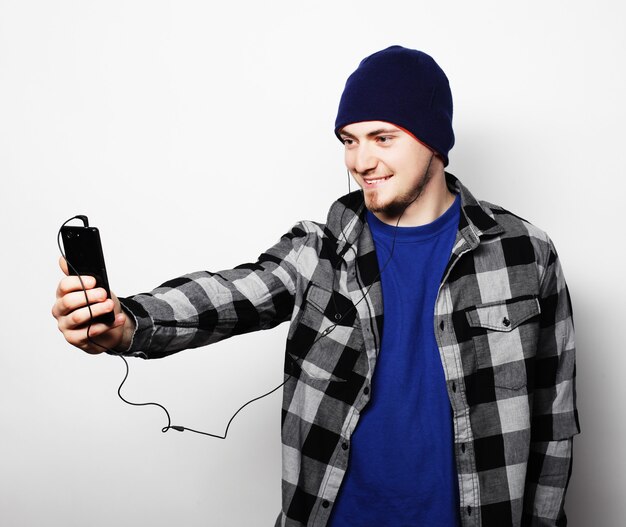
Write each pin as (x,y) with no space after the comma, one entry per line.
(505,336)
(325,340)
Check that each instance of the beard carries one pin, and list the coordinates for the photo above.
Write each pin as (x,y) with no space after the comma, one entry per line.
(396,206)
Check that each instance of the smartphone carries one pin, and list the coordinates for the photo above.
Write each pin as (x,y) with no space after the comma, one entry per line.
(83,250)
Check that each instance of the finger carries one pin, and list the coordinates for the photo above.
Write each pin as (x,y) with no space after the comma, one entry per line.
(72,283)
(98,337)
(98,329)
(79,339)
(79,336)
(69,302)
(85,315)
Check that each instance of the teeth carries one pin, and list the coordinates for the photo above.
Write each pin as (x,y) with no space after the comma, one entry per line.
(378,180)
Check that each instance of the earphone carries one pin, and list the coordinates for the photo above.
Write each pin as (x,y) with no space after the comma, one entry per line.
(325,333)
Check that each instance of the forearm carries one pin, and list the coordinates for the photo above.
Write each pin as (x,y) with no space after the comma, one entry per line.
(549,471)
(203,308)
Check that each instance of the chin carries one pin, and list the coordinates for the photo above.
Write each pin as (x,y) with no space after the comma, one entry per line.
(388,207)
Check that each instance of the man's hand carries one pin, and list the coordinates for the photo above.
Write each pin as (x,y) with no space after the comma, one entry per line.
(72,314)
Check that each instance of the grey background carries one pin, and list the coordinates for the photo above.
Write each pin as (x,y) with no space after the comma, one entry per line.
(194,134)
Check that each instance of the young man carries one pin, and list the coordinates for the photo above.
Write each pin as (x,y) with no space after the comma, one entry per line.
(430,357)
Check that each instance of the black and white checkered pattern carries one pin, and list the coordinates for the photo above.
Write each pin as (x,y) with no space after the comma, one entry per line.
(503,325)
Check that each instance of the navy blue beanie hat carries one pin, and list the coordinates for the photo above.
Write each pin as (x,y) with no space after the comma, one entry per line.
(404,87)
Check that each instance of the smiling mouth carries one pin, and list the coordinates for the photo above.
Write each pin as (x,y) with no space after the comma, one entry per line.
(373,182)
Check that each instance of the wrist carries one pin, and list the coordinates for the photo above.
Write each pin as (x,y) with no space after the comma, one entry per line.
(128,332)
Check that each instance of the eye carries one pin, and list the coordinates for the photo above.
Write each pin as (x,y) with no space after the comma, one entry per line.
(384,139)
(347,141)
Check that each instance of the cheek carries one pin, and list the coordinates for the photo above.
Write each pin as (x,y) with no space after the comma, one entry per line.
(348,159)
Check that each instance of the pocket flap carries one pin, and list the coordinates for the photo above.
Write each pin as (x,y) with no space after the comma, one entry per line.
(318,297)
(336,307)
(503,316)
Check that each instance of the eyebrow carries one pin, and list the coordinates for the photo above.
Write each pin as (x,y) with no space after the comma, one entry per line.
(373,133)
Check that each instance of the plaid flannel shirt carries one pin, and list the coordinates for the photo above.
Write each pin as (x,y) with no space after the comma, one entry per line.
(504,330)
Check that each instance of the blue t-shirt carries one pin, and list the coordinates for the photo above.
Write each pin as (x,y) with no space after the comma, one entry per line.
(402,470)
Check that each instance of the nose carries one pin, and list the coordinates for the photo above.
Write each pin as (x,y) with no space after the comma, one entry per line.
(363,161)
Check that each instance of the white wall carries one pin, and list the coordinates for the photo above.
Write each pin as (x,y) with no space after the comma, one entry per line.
(194,134)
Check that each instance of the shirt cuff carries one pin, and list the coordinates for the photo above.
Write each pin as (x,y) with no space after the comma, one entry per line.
(144,328)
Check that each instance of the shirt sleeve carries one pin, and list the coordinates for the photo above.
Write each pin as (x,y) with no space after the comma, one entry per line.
(204,307)
(555,417)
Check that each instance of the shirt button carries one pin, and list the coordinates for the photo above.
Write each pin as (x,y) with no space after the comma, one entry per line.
(366,390)
(325,504)
(441,325)
(469,510)
(453,386)
(344,446)
(463,448)
(506,322)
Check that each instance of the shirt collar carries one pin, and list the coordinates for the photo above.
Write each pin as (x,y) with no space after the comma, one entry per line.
(476,222)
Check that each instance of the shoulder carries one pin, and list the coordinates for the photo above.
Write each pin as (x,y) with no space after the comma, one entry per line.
(304,230)
(306,233)
(518,232)
(342,224)
(513,223)
(506,239)
(491,219)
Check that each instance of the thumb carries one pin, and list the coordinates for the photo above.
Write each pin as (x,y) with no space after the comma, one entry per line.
(63,265)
